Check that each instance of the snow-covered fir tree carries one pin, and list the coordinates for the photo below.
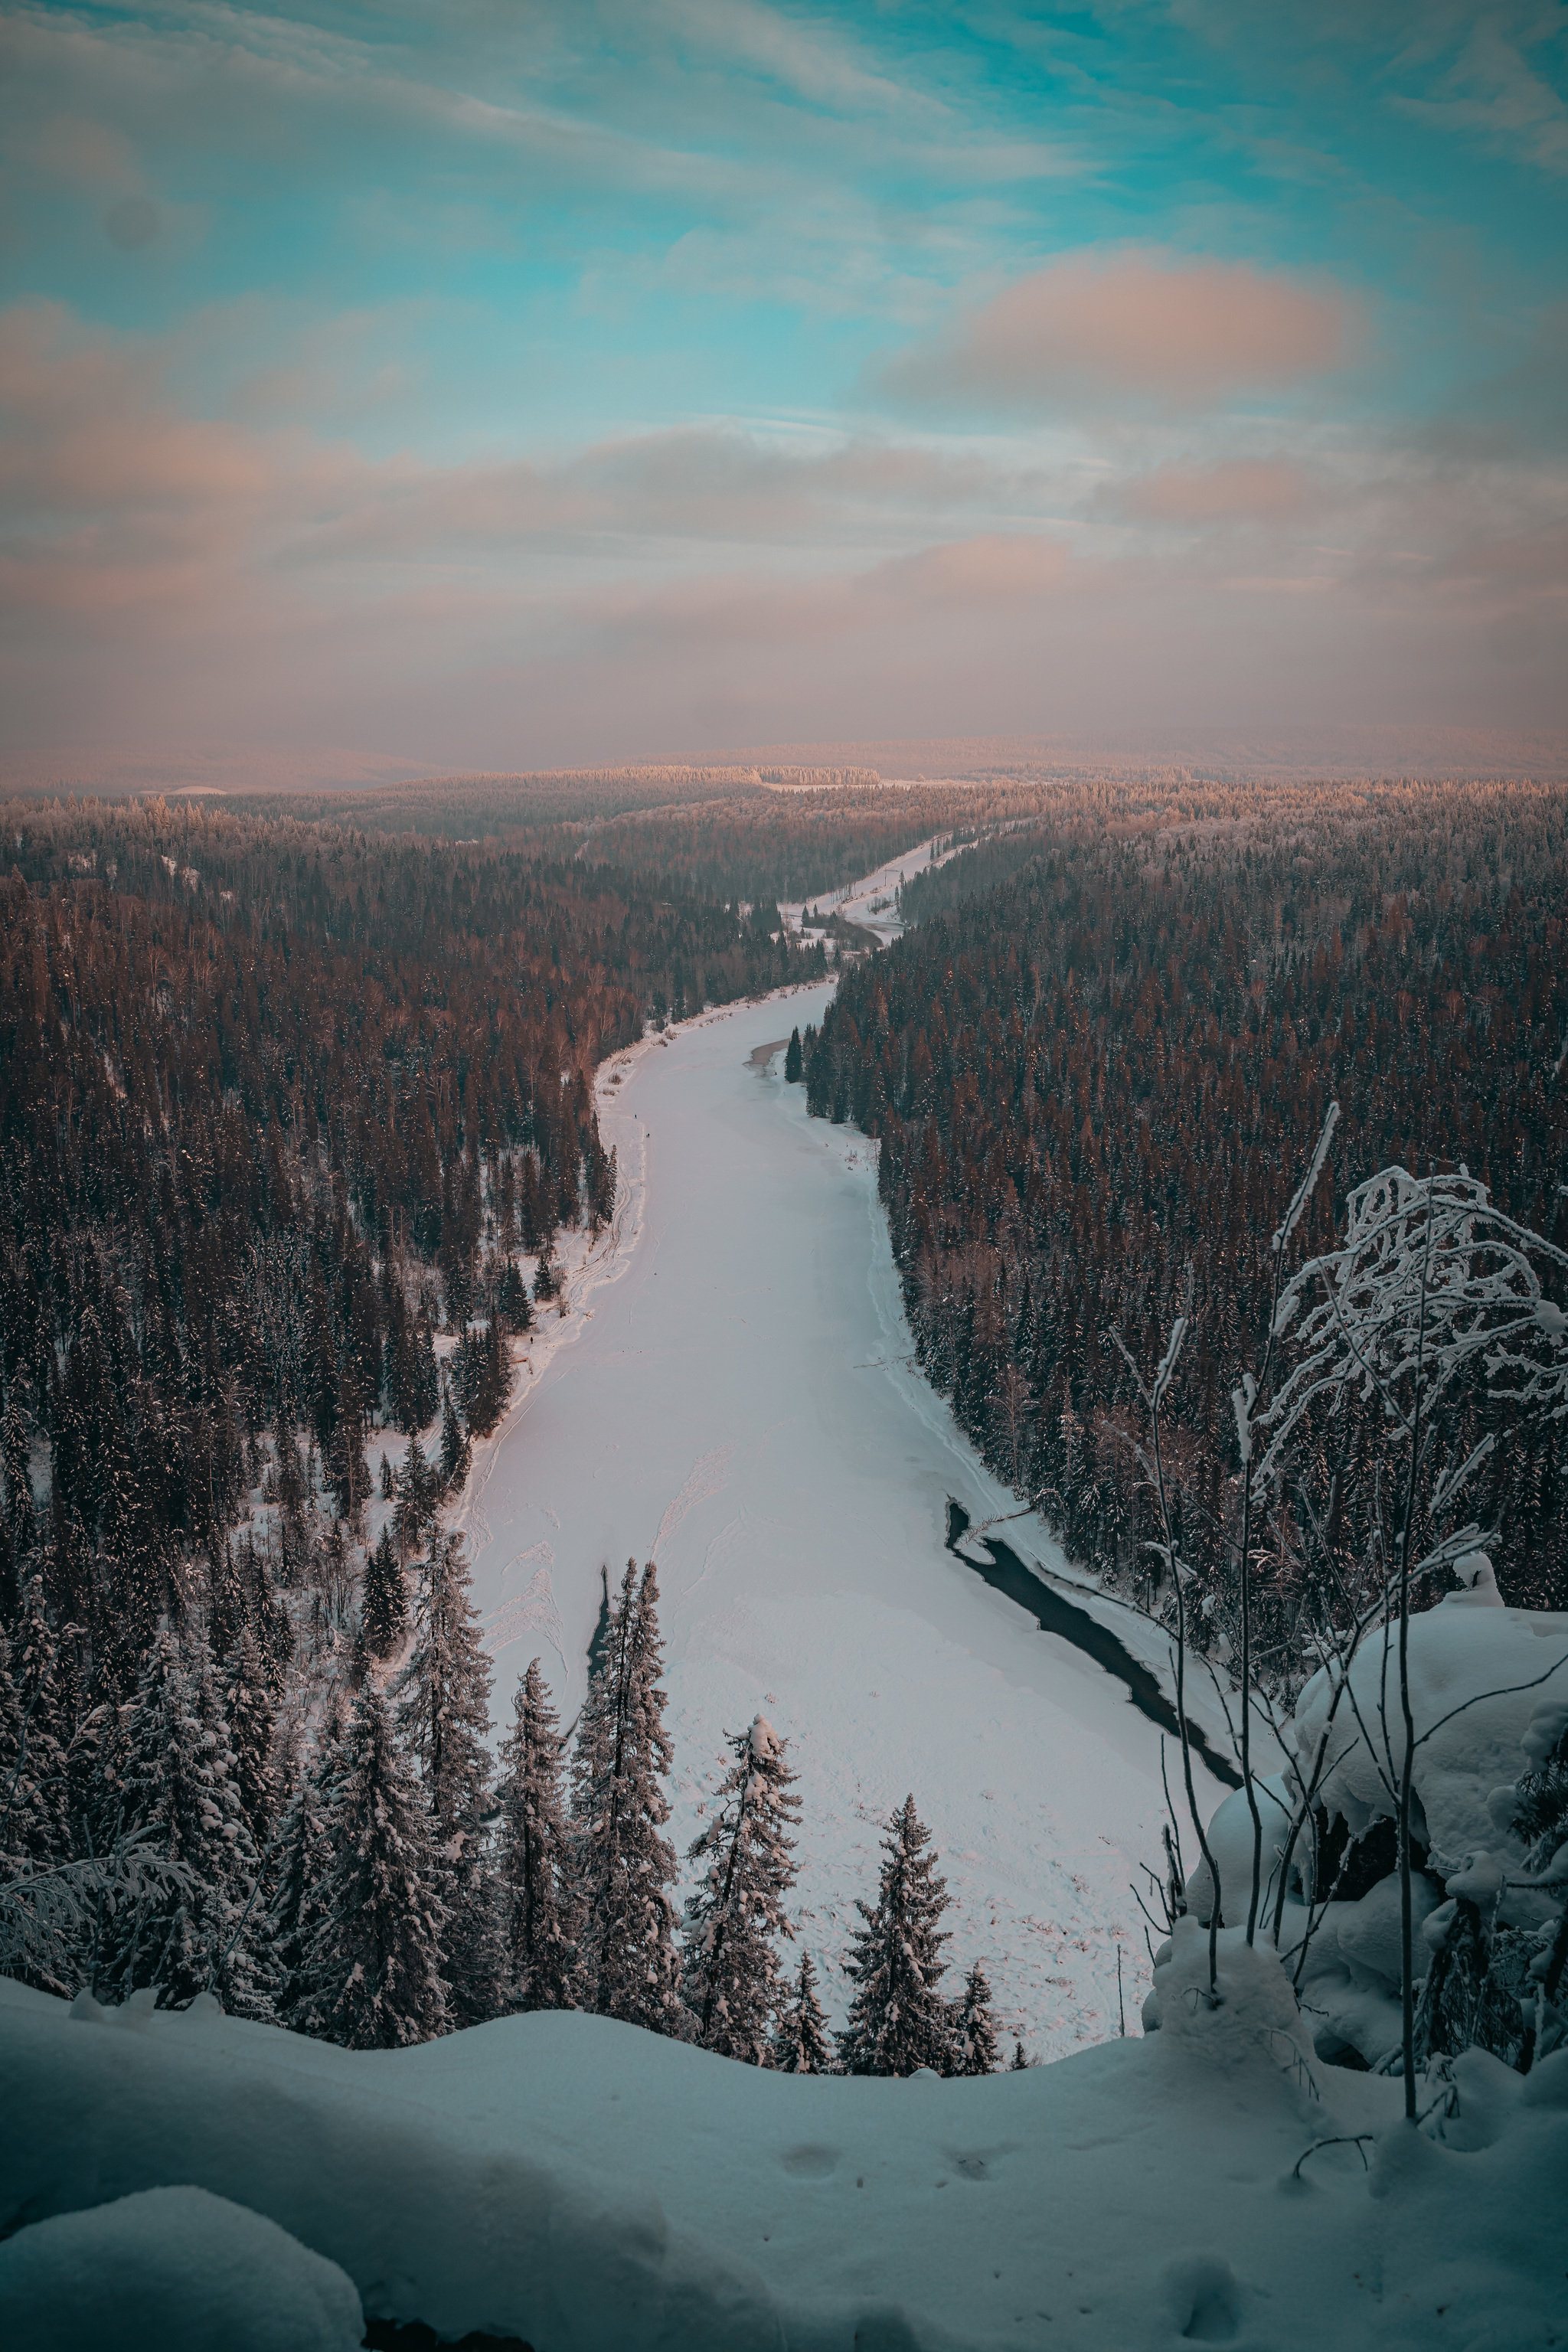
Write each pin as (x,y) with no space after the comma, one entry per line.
(301,1862)
(444,1715)
(35,1820)
(976,2048)
(537,1896)
(453,1444)
(373,1962)
(384,1615)
(801,2045)
(730,1960)
(176,1786)
(247,1704)
(897,2020)
(624,1865)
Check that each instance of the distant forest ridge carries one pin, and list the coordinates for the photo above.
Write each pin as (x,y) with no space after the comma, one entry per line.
(1098,1068)
(275,1100)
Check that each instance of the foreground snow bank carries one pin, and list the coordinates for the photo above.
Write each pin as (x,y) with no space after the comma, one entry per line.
(591,2189)
(174,2267)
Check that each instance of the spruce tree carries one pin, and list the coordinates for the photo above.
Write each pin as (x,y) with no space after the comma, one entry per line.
(35,1810)
(247,1704)
(373,1965)
(801,2045)
(975,2027)
(536,1874)
(730,1964)
(176,1784)
(453,1444)
(899,2021)
(444,1714)
(386,1602)
(624,1865)
(303,1861)
(793,1066)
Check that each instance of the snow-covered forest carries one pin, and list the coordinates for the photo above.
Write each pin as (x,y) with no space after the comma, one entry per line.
(481,1930)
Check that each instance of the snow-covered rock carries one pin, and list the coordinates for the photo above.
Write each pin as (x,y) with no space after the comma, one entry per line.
(178,2268)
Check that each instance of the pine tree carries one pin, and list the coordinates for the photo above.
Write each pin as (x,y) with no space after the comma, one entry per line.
(302,1862)
(513,1306)
(247,1704)
(386,1604)
(453,1444)
(975,2027)
(444,1714)
(801,2045)
(899,2021)
(176,1783)
(536,1876)
(35,1812)
(731,1979)
(624,1865)
(793,1067)
(1018,2063)
(373,1963)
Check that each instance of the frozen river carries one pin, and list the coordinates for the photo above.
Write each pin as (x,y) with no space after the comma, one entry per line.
(731,1396)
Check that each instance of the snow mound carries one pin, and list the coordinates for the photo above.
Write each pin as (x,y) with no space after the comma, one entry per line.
(1471,1675)
(590,2188)
(1246,2036)
(179,2268)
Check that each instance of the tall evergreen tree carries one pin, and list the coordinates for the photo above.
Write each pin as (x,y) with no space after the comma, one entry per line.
(624,1865)
(248,1702)
(373,1962)
(975,2049)
(801,2045)
(730,1963)
(453,1444)
(177,1785)
(899,2021)
(302,1863)
(537,1896)
(444,1714)
(35,1812)
(385,1608)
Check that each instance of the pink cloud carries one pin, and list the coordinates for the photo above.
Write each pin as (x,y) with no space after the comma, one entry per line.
(993,568)
(1145,325)
(1241,491)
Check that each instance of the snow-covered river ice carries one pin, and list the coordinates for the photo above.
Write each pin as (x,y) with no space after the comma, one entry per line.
(731,1394)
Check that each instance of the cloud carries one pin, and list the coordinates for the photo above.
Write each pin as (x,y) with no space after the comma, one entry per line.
(1492,91)
(1141,326)
(168,573)
(993,568)
(1241,491)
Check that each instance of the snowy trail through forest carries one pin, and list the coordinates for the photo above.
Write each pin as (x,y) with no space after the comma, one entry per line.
(733,1395)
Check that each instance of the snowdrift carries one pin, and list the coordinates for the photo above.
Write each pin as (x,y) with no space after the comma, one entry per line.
(587,2187)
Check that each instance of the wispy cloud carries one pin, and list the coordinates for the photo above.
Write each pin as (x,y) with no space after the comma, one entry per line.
(1152,328)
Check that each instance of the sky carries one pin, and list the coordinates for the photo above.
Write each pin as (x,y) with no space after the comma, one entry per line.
(502,383)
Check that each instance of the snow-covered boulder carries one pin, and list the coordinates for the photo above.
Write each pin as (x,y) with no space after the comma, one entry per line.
(1476,1679)
(178,2268)
(1489,1693)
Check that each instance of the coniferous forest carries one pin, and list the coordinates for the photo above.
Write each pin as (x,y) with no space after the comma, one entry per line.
(291,1116)
(1098,1067)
